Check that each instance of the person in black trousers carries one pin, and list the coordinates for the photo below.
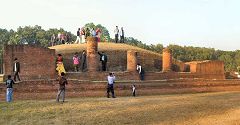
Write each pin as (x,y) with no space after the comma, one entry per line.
(122,35)
(116,32)
(103,59)
(83,60)
(16,69)
(110,86)
(140,71)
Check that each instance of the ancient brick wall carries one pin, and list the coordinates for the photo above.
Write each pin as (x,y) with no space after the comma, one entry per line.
(35,62)
(208,68)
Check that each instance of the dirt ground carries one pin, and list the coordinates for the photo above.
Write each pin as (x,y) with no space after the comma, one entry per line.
(222,108)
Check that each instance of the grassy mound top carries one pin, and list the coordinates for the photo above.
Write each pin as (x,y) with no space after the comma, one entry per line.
(106,46)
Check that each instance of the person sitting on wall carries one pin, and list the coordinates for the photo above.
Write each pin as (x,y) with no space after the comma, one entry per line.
(140,71)
(60,67)
(103,59)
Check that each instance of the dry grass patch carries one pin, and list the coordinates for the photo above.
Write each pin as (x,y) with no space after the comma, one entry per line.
(106,46)
(192,109)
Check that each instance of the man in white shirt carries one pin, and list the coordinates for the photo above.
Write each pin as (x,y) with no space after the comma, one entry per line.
(140,71)
(111,80)
(116,32)
(103,59)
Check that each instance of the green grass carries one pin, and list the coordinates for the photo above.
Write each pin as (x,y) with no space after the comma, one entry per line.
(187,109)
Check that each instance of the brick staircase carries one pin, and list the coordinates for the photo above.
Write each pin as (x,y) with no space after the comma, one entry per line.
(47,89)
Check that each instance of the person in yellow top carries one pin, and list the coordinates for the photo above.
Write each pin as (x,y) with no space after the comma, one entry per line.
(60,67)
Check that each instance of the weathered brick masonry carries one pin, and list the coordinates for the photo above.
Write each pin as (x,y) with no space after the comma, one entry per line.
(35,62)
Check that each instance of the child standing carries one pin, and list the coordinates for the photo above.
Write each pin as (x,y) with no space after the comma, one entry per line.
(133,90)
(76,61)
(9,83)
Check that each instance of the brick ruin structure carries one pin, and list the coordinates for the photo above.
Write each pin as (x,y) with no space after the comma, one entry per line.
(39,63)
(35,62)
(167,60)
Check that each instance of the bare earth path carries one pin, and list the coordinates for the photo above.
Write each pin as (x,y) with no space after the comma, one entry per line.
(186,109)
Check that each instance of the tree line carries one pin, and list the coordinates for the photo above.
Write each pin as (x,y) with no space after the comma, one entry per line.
(35,35)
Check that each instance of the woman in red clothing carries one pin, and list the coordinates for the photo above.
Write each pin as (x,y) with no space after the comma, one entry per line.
(98,32)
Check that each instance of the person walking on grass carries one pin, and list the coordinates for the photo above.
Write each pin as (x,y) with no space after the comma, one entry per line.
(133,90)
(62,83)
(110,85)
(16,69)
(9,92)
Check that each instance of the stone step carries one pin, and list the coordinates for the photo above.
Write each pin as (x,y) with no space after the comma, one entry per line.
(118,92)
(1,77)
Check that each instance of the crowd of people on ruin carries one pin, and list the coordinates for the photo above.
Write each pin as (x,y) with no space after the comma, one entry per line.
(82,34)
(79,62)
(118,33)
(61,38)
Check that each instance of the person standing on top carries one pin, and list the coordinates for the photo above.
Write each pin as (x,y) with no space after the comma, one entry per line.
(93,32)
(67,38)
(122,35)
(83,34)
(116,32)
(78,36)
(53,38)
(87,33)
(98,32)
(59,38)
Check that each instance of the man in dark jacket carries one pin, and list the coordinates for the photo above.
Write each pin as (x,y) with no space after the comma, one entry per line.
(62,82)
(9,83)
(83,60)
(103,59)
(16,69)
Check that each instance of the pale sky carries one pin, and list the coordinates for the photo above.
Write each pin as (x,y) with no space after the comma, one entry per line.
(200,23)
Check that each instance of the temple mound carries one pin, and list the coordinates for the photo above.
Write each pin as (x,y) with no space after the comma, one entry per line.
(117,55)
(122,59)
